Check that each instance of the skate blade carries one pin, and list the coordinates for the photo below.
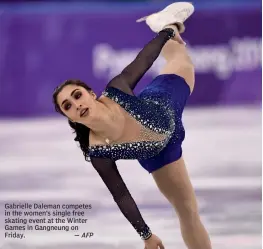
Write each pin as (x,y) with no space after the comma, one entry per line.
(143,19)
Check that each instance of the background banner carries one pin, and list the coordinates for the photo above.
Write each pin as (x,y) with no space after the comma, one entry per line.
(40,50)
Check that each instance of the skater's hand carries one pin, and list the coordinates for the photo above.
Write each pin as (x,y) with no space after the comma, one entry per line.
(177,37)
(153,243)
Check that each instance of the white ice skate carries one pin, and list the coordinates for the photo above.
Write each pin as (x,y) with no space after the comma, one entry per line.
(173,13)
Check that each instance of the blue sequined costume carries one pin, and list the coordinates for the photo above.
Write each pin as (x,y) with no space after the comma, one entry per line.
(159,108)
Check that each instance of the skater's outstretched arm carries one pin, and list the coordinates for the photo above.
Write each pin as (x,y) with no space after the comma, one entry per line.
(107,169)
(131,75)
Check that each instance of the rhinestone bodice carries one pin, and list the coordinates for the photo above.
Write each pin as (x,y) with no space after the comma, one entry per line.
(154,117)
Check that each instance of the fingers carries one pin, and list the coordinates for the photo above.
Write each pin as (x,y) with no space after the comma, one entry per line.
(180,40)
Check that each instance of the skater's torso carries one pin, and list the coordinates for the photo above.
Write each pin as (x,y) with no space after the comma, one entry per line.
(140,128)
(124,128)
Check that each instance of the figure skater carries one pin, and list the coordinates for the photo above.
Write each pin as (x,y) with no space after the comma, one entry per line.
(147,127)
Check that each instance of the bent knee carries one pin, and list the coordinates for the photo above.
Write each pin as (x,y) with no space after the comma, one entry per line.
(183,68)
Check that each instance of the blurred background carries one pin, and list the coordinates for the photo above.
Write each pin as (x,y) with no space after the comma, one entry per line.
(43,43)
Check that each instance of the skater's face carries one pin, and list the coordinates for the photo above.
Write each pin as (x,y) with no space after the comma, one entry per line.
(77,103)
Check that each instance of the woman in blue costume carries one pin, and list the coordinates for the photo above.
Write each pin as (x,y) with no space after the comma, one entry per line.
(148,127)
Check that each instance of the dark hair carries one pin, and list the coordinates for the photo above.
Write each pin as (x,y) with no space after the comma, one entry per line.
(81,131)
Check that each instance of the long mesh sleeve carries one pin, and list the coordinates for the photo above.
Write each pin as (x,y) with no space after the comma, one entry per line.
(131,75)
(109,173)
